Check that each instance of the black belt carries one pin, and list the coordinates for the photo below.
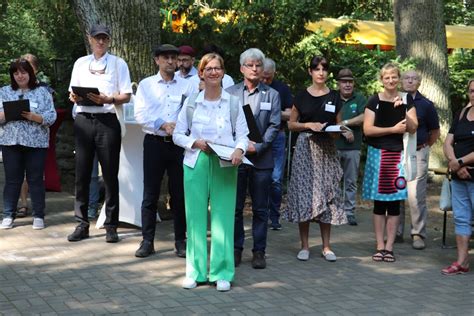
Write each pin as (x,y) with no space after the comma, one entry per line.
(419,147)
(166,139)
(95,115)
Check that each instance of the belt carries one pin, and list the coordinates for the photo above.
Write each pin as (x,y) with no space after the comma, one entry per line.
(94,115)
(166,139)
(419,147)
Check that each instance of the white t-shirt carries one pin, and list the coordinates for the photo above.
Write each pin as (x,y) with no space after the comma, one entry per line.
(115,79)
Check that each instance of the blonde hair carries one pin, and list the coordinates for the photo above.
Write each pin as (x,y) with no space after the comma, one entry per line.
(389,67)
(206,59)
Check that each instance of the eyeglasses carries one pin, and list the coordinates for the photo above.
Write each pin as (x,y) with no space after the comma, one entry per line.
(251,66)
(415,78)
(97,71)
(208,70)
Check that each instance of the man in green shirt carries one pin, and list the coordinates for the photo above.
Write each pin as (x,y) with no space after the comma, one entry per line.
(349,143)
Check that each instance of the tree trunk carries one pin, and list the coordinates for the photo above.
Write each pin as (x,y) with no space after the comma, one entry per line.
(135,27)
(421,34)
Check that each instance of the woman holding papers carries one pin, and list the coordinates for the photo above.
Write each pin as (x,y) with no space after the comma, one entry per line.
(207,118)
(24,141)
(314,189)
(386,119)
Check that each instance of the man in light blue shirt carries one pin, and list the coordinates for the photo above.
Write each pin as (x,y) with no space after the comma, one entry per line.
(158,101)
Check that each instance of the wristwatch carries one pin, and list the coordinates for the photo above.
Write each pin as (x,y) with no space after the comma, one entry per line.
(460,162)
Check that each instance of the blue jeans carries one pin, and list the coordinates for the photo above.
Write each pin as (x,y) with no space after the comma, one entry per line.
(462,195)
(94,189)
(279,159)
(16,161)
(258,182)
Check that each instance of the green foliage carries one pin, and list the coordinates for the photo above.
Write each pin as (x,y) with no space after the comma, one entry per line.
(47,29)
(461,70)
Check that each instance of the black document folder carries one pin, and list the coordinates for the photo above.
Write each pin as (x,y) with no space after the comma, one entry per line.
(388,115)
(82,92)
(254,134)
(13,109)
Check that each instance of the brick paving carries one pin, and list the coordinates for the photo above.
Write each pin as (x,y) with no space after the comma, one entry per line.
(41,273)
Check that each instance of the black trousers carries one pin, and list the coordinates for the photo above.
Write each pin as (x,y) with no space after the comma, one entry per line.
(159,155)
(97,133)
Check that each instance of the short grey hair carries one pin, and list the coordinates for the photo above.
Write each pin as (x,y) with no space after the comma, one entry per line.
(269,65)
(418,75)
(252,53)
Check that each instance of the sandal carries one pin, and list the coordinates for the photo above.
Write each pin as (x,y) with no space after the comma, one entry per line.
(22,211)
(454,268)
(388,256)
(378,256)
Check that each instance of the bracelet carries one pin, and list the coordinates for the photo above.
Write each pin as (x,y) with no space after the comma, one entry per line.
(345,122)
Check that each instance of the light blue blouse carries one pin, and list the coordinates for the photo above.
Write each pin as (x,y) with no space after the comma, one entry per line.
(28,133)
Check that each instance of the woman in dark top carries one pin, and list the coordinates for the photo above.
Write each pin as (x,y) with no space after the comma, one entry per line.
(459,150)
(314,189)
(386,119)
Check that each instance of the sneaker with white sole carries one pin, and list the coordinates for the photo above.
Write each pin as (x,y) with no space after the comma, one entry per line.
(7,223)
(38,223)
(303,255)
(329,256)
(189,283)
(223,286)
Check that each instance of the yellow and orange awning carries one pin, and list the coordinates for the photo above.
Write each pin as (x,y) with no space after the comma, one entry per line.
(383,33)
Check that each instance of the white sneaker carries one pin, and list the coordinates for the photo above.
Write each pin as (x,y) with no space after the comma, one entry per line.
(7,223)
(223,286)
(329,256)
(303,255)
(189,283)
(38,223)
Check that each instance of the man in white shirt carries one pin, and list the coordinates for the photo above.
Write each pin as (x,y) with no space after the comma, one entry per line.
(97,129)
(158,101)
(186,62)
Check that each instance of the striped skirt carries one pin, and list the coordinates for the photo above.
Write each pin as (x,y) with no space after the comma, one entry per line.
(384,176)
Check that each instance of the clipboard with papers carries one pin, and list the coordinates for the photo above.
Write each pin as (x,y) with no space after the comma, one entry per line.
(224,153)
(13,109)
(332,129)
(82,92)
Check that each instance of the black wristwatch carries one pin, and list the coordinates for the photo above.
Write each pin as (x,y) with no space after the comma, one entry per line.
(460,162)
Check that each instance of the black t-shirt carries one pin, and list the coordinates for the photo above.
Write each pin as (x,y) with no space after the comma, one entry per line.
(322,109)
(387,115)
(463,136)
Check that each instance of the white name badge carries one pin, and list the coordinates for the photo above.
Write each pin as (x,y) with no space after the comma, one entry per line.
(33,105)
(330,108)
(265,106)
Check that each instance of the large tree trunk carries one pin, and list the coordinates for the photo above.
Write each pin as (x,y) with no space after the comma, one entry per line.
(421,34)
(135,27)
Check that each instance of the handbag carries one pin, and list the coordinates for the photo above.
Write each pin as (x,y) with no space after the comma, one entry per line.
(409,156)
(409,151)
(445,203)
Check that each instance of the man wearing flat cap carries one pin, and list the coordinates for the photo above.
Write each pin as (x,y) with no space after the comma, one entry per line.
(97,129)
(349,143)
(186,62)
(158,101)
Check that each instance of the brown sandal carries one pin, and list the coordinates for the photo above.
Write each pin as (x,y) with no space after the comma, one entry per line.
(22,211)
(378,256)
(389,257)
